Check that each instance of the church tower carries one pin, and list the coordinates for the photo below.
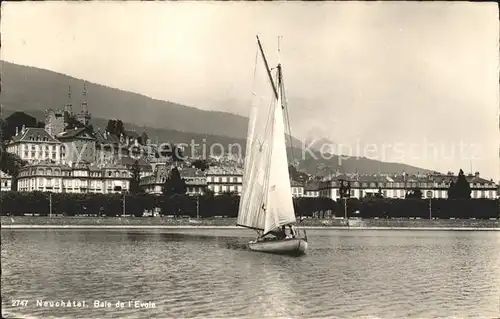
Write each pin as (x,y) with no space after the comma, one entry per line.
(84,115)
(56,120)
(68,108)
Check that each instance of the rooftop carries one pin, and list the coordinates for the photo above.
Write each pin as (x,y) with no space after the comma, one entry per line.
(34,134)
(82,132)
(224,171)
(401,178)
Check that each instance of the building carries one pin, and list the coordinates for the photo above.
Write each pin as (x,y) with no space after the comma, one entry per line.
(60,120)
(48,176)
(110,148)
(5,182)
(297,189)
(153,184)
(107,147)
(35,144)
(129,162)
(311,189)
(196,181)
(84,116)
(397,186)
(80,145)
(57,121)
(224,180)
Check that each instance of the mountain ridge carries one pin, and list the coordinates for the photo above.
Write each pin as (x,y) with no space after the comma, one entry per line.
(318,167)
(34,90)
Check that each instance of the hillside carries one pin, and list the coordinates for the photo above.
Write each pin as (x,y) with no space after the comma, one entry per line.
(34,90)
(320,167)
(27,89)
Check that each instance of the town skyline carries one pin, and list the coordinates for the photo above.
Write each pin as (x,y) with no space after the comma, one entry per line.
(426,72)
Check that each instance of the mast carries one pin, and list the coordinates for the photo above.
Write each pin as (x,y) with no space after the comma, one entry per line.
(267,68)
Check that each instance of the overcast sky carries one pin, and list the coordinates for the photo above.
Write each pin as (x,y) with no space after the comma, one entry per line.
(387,73)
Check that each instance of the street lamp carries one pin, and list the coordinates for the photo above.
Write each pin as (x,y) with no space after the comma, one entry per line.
(50,204)
(197,206)
(123,210)
(345,192)
(429,194)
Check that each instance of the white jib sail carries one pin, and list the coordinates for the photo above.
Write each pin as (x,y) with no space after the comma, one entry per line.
(279,203)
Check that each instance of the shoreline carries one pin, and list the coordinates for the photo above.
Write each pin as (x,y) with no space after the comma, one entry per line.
(236,227)
(124,222)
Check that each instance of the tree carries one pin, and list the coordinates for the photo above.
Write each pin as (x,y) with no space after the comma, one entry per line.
(9,163)
(115,127)
(174,184)
(296,175)
(201,164)
(459,189)
(173,151)
(73,123)
(345,189)
(414,193)
(16,121)
(111,127)
(135,187)
(174,191)
(119,128)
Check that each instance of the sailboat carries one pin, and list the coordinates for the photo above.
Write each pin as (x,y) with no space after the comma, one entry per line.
(266,203)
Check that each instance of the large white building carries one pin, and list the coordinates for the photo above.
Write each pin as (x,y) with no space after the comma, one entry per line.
(35,144)
(297,189)
(397,186)
(196,181)
(224,180)
(67,156)
(47,176)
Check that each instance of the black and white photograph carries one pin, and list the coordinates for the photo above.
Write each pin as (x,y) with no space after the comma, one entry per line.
(250,159)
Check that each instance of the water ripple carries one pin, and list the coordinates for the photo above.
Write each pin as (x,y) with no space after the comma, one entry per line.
(211,274)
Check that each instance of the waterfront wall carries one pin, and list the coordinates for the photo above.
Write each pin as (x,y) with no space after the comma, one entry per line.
(224,222)
(207,206)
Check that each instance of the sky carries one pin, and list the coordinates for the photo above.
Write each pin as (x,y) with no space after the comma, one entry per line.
(411,82)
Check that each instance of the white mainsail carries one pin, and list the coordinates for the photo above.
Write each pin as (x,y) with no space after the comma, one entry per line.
(255,174)
(266,199)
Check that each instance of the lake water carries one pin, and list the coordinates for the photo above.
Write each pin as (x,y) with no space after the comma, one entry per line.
(208,273)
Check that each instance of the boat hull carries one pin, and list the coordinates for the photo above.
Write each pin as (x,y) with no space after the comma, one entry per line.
(292,246)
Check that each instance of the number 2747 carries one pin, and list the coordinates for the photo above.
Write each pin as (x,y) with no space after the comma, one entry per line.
(18,302)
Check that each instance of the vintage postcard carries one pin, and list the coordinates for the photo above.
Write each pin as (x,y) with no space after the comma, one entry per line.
(212,159)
